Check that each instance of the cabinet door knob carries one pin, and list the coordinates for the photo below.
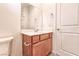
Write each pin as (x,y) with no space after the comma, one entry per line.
(27,44)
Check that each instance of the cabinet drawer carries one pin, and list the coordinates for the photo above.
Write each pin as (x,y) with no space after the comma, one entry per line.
(26,39)
(35,39)
(44,36)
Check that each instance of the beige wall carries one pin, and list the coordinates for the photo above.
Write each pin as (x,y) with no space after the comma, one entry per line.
(48,11)
(10,25)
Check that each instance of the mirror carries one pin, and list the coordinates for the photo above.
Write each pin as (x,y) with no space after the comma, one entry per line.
(31,17)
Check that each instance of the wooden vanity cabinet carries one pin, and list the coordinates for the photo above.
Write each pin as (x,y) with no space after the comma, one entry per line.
(37,45)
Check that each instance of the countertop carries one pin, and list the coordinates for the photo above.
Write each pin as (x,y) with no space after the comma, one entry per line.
(31,32)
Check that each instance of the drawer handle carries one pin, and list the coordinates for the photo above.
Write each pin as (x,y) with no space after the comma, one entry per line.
(26,44)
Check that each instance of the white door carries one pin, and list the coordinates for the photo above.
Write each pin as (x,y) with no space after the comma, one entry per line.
(67,29)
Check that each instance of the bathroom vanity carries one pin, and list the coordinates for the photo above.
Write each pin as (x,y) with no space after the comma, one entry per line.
(36,43)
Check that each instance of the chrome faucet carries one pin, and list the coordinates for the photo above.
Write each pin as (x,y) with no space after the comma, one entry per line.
(36,30)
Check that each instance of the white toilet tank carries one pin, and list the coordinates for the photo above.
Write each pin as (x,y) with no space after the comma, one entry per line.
(5,46)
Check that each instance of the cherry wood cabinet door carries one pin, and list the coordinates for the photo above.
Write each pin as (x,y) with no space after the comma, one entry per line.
(38,49)
(49,45)
(42,48)
(26,45)
(46,47)
(27,50)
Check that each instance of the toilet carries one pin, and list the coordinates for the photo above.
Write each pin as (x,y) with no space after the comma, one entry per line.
(5,46)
